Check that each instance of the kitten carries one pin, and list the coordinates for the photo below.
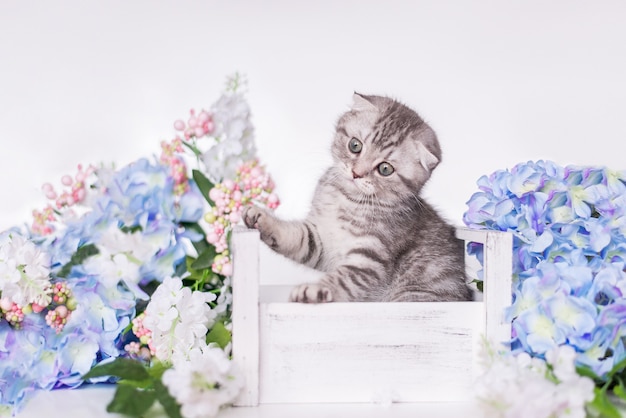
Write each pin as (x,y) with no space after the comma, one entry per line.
(368,229)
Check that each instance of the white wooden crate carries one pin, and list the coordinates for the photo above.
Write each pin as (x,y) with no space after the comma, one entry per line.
(362,352)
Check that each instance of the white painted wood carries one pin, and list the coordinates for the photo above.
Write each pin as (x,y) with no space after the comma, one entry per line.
(497,276)
(367,352)
(362,352)
(245,311)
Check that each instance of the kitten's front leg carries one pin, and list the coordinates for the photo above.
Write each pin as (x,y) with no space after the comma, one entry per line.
(349,283)
(296,240)
(311,293)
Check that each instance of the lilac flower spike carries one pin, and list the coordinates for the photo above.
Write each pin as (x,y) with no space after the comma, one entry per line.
(569,227)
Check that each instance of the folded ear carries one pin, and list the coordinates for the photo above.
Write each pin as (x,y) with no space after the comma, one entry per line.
(361,103)
(428,160)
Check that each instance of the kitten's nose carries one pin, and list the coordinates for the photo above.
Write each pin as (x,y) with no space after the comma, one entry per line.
(355,175)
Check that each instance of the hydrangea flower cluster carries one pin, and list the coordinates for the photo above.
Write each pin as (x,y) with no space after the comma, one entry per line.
(569,227)
(120,267)
(570,253)
(523,386)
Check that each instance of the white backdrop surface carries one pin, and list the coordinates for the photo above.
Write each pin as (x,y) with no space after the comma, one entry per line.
(501,83)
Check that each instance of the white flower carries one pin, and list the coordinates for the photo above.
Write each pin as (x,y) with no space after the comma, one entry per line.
(178,319)
(234,135)
(225,298)
(24,271)
(231,115)
(204,382)
(120,258)
(521,386)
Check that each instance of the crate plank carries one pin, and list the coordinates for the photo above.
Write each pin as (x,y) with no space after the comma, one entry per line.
(368,352)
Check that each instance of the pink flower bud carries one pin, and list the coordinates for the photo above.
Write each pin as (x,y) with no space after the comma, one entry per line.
(67,180)
(6,304)
(203,116)
(62,311)
(227,269)
(229,184)
(79,195)
(235,217)
(37,308)
(272,198)
(179,125)
(215,194)
(212,238)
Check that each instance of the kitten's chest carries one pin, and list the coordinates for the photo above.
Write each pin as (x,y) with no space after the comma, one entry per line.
(342,229)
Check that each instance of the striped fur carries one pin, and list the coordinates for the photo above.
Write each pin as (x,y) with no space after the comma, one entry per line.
(372,234)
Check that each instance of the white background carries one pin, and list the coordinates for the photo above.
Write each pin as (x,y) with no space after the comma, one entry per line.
(500,81)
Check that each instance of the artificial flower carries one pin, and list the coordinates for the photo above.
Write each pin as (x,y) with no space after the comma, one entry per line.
(522,386)
(133,264)
(569,247)
(203,381)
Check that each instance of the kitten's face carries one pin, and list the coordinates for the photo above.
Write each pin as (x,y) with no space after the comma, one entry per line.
(383,150)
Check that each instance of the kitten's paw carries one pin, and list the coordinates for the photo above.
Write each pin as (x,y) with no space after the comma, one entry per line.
(263,221)
(311,293)
(251,216)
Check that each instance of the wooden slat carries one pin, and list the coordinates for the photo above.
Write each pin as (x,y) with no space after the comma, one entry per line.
(368,352)
(497,276)
(245,311)
(498,271)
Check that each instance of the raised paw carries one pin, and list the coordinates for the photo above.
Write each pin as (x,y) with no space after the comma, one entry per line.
(251,215)
(261,220)
(311,293)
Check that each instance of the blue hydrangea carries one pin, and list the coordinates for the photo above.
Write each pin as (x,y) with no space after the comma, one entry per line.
(569,227)
(139,198)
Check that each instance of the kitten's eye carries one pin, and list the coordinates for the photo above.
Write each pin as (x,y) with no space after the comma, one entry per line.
(355,145)
(385,169)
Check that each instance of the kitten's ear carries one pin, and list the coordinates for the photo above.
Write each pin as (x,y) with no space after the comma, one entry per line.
(360,103)
(428,160)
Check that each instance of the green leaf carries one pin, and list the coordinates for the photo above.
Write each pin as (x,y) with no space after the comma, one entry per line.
(121,367)
(205,259)
(169,403)
(219,335)
(130,229)
(620,391)
(603,406)
(131,401)
(204,184)
(157,369)
(617,368)
(479,285)
(587,372)
(81,254)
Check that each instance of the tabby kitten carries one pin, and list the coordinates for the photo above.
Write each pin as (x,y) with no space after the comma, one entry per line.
(368,229)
